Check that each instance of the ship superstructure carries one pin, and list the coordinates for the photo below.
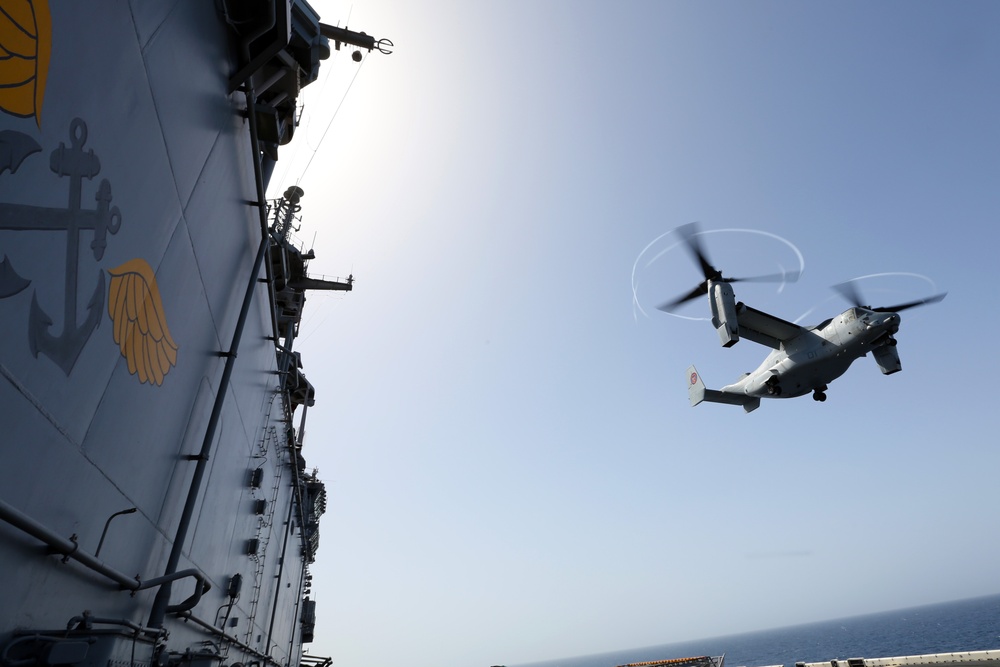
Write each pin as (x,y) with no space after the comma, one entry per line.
(155,502)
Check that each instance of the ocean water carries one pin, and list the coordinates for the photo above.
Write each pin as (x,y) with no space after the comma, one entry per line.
(967,625)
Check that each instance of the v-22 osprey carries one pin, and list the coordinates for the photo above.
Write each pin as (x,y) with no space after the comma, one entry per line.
(803,360)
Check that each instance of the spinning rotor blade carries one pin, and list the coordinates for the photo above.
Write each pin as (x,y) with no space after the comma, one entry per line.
(689,233)
(911,304)
(850,292)
(700,290)
(789,276)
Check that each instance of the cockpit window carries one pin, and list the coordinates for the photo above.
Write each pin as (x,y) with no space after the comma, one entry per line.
(850,315)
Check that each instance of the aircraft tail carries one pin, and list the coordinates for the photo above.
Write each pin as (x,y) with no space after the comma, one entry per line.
(697,392)
(696,388)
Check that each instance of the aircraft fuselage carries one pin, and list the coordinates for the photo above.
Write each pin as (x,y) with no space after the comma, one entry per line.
(809,362)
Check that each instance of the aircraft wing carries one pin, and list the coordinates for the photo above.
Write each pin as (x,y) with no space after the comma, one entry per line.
(765,329)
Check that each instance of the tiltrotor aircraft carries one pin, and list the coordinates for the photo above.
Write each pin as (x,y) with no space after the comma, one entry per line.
(803,359)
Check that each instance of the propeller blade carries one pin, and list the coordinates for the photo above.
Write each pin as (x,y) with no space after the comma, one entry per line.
(790,276)
(911,304)
(849,292)
(700,290)
(689,233)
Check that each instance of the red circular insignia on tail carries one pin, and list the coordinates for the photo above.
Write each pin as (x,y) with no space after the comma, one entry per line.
(694,378)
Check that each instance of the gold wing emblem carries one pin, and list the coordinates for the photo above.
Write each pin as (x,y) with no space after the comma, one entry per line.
(140,325)
(25,48)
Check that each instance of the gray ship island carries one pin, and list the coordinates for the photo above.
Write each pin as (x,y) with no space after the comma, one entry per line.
(155,503)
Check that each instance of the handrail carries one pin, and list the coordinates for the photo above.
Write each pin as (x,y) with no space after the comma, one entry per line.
(69,548)
(221,634)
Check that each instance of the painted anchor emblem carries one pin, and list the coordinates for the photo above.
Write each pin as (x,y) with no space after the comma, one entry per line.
(77,164)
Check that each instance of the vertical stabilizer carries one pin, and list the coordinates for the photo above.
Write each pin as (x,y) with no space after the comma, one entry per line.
(696,388)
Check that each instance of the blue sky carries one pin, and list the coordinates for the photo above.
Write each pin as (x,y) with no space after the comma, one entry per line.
(513,468)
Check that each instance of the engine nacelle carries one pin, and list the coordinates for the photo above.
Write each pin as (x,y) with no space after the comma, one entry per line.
(723,302)
(887,358)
